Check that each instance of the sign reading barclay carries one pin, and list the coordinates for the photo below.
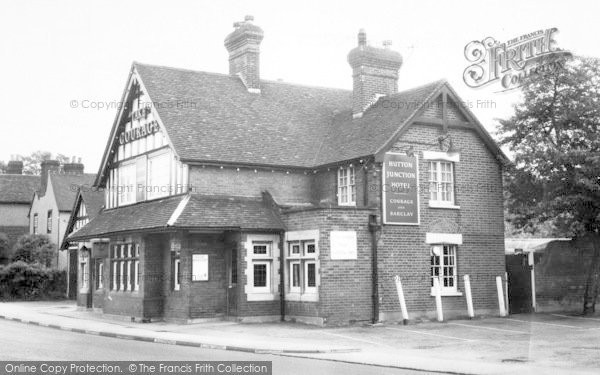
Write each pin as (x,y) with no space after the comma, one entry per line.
(509,63)
(400,189)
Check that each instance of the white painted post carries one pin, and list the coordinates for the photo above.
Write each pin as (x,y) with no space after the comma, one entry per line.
(500,296)
(401,298)
(469,296)
(531,262)
(506,301)
(438,299)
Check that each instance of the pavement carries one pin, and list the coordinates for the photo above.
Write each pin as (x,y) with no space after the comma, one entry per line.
(540,343)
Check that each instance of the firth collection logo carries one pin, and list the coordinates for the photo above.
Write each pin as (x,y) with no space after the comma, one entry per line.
(509,63)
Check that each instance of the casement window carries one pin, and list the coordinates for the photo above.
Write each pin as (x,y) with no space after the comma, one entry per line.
(346,186)
(301,261)
(159,176)
(49,222)
(126,184)
(82,218)
(125,268)
(35,223)
(99,273)
(443,267)
(176,272)
(199,267)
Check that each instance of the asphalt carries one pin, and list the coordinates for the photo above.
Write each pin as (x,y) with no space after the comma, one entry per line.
(519,343)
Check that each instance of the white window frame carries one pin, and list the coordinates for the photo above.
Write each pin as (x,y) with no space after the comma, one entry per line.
(126,190)
(307,288)
(35,223)
(164,187)
(267,287)
(136,275)
(441,265)
(270,292)
(304,239)
(435,158)
(176,281)
(346,186)
(295,289)
(100,275)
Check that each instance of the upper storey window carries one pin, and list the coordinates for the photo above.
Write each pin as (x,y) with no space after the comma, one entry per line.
(441,178)
(346,186)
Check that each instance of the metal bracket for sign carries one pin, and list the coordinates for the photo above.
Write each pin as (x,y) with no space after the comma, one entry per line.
(383,198)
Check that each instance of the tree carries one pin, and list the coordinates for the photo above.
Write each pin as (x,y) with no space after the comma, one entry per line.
(34,248)
(4,249)
(32,163)
(554,135)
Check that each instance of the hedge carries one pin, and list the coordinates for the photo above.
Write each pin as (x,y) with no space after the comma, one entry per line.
(25,281)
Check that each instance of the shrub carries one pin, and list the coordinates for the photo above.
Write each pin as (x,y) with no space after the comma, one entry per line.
(34,248)
(24,281)
(4,249)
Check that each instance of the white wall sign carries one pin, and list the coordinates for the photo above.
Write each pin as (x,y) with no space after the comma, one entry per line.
(199,267)
(343,244)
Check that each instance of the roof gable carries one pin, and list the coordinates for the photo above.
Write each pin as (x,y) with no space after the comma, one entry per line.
(212,118)
(65,186)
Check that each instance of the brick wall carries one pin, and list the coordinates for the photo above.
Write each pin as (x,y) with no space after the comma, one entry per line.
(403,250)
(294,187)
(345,285)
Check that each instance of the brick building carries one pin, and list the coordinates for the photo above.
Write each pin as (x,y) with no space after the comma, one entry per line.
(235,196)
(16,190)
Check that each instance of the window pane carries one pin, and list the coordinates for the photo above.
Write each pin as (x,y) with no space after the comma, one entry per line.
(310,248)
(296,275)
(311,279)
(260,275)
(260,249)
(159,176)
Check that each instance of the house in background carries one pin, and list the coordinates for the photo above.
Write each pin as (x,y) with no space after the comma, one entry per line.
(51,205)
(16,190)
(228,195)
(88,203)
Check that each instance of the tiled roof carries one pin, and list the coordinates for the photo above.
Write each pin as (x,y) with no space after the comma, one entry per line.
(65,187)
(16,188)
(225,211)
(93,200)
(212,117)
(139,216)
(200,212)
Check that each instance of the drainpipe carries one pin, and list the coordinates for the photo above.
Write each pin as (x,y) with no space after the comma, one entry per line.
(374,228)
(282,276)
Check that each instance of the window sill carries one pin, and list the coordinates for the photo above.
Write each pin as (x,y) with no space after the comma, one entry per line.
(347,204)
(258,296)
(302,297)
(436,204)
(448,293)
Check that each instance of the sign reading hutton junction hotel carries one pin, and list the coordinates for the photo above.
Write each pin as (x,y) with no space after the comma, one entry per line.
(400,189)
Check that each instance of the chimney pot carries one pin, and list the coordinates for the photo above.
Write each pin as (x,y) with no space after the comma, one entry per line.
(374,72)
(243,45)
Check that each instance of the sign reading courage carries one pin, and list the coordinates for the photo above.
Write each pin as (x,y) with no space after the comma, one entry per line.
(400,189)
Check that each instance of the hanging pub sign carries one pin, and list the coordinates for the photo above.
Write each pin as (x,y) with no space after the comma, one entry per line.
(400,187)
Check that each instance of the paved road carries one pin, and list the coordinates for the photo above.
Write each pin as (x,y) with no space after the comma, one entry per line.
(20,341)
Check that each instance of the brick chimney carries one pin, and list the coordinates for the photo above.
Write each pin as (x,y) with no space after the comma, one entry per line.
(14,166)
(243,45)
(374,72)
(74,167)
(48,166)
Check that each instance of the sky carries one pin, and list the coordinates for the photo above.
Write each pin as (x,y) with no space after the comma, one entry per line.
(60,58)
